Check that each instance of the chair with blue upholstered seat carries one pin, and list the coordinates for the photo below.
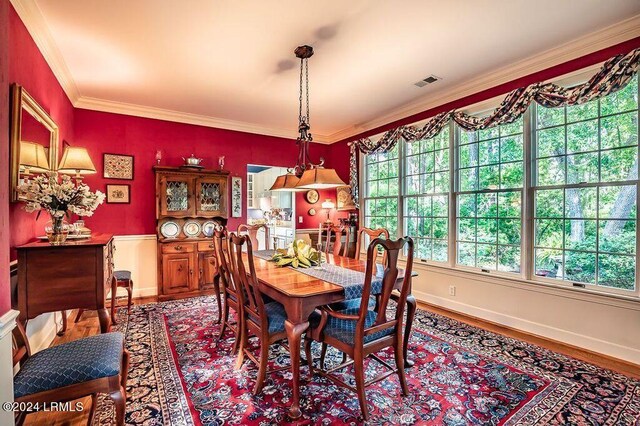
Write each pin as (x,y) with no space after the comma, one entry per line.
(261,319)
(363,331)
(84,367)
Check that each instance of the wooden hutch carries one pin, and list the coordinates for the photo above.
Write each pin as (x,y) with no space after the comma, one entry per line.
(189,202)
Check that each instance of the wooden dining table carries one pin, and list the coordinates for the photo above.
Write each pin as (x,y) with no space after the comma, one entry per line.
(301,294)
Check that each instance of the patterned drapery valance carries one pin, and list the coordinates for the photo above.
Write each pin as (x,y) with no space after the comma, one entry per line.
(613,76)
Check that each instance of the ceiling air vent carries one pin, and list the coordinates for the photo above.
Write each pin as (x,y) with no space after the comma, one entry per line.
(431,79)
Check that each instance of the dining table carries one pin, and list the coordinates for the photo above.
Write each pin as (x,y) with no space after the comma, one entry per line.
(301,291)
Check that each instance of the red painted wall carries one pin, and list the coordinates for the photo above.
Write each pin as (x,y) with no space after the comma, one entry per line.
(5,289)
(103,132)
(28,68)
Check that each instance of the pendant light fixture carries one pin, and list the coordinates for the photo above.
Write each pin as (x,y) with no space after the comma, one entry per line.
(306,175)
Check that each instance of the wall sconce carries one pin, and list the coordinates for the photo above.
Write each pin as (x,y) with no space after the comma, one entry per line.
(76,160)
(328,205)
(33,158)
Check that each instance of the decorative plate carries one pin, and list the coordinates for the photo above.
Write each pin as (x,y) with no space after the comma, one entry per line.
(170,229)
(312,212)
(191,229)
(208,227)
(312,196)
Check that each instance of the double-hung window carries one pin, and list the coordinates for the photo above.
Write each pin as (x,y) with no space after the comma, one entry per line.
(382,193)
(585,191)
(489,200)
(550,197)
(426,196)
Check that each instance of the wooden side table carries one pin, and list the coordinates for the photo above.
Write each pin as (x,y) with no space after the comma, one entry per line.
(76,275)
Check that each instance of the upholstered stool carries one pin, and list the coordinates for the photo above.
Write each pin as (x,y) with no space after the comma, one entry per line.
(120,279)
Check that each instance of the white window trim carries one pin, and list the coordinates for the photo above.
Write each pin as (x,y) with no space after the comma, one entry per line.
(527,275)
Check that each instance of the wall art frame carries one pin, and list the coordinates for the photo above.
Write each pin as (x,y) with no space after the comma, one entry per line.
(117,166)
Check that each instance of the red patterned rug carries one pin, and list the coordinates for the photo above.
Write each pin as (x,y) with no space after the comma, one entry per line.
(462,376)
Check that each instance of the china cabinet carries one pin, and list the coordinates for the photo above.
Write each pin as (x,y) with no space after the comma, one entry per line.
(189,203)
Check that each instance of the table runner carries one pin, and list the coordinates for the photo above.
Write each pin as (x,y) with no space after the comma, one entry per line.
(351,281)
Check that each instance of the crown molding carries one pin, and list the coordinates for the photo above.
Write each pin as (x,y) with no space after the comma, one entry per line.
(598,40)
(116,107)
(609,36)
(31,16)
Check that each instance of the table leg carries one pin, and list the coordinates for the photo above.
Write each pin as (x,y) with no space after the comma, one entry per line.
(411,313)
(105,321)
(294,334)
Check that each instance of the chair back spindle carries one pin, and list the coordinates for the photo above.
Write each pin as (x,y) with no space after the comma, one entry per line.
(389,277)
(253,302)
(338,232)
(252,232)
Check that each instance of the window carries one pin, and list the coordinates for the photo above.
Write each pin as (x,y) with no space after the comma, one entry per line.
(381,191)
(426,203)
(551,197)
(585,190)
(491,172)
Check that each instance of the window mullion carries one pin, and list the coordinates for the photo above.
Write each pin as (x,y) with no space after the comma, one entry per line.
(527,256)
(454,139)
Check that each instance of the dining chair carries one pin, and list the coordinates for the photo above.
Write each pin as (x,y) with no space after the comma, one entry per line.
(61,373)
(263,320)
(337,231)
(252,232)
(230,294)
(362,332)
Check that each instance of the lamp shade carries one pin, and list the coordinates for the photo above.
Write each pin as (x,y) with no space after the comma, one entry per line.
(33,157)
(328,204)
(319,178)
(286,182)
(76,160)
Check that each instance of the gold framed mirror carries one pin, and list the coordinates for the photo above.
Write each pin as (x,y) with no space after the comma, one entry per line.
(34,139)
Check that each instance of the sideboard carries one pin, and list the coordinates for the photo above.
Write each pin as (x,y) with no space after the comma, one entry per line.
(58,278)
(189,203)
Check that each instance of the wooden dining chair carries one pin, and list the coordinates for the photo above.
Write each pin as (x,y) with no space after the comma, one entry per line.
(260,319)
(230,294)
(362,332)
(338,249)
(371,234)
(83,367)
(252,232)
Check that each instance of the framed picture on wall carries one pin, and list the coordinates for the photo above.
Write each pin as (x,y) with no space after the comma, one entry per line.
(344,198)
(117,166)
(118,194)
(236,197)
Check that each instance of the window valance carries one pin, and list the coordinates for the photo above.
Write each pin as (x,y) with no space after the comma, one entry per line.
(614,75)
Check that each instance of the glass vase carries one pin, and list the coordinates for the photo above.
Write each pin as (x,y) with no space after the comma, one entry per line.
(57,230)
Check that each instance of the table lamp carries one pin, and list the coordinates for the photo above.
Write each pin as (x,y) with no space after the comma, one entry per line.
(328,205)
(76,160)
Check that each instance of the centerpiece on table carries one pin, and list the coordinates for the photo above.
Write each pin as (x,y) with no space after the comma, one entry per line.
(59,197)
(298,254)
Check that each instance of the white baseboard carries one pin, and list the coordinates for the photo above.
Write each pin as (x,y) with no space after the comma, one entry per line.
(579,340)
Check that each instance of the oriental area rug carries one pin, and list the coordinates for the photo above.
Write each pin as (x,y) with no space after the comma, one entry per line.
(462,376)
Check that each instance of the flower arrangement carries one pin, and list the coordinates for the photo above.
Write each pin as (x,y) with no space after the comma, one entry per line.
(297,254)
(59,196)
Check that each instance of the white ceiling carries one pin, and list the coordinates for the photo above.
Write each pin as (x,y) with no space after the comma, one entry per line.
(231,63)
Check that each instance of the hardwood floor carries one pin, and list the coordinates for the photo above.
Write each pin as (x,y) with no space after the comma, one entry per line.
(89,325)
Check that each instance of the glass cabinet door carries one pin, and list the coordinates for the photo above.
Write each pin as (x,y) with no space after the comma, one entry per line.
(175,196)
(211,196)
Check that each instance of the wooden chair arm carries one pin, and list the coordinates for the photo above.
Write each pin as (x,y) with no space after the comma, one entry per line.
(338,315)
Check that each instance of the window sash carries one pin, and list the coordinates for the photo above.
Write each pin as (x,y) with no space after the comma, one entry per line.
(528,190)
